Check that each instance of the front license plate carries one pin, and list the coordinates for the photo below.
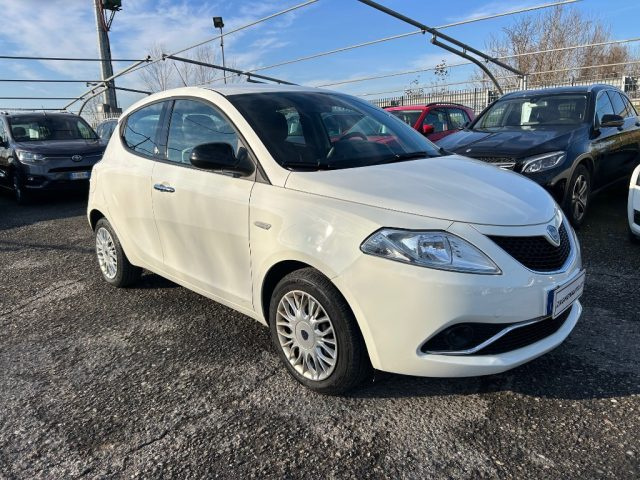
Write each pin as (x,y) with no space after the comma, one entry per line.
(80,175)
(563,297)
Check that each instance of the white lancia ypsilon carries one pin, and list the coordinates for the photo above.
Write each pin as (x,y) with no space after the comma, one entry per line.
(349,234)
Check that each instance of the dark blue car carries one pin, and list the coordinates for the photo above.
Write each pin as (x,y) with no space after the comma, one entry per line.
(574,141)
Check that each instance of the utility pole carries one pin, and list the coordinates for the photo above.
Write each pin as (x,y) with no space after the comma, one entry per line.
(103,24)
(218,23)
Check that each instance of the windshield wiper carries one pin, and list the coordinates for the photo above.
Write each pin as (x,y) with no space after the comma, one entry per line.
(400,157)
(306,166)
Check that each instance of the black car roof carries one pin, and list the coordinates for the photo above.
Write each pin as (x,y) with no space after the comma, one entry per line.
(558,90)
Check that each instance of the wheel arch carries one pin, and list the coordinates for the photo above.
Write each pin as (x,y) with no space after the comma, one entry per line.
(94,216)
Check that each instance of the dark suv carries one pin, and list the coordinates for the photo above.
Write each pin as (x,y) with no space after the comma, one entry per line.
(573,141)
(43,151)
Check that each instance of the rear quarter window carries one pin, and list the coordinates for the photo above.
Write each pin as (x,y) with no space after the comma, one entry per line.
(141,130)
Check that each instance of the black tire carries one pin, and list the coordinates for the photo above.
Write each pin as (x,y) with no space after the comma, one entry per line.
(578,196)
(633,238)
(352,366)
(126,274)
(21,195)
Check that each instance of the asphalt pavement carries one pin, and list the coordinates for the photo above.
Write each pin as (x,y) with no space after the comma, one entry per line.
(156,381)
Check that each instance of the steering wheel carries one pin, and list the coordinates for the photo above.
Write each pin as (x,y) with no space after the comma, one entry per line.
(350,135)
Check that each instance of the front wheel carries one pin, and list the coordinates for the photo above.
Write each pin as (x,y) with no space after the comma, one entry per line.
(20,194)
(114,264)
(578,196)
(316,334)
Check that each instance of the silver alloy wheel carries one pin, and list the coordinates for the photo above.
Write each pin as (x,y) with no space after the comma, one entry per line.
(579,197)
(306,335)
(107,255)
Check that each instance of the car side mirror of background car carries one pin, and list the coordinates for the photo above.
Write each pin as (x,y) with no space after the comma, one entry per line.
(465,125)
(610,120)
(427,129)
(220,156)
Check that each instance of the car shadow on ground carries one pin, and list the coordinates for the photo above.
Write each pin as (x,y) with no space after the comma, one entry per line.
(555,376)
(42,208)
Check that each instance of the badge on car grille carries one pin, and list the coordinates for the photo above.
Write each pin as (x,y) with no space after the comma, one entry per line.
(76,158)
(553,235)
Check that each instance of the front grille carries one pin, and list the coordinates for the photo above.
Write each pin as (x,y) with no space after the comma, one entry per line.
(537,253)
(503,162)
(481,332)
(67,156)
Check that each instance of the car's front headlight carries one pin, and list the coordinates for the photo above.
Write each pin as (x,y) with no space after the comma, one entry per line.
(30,157)
(433,249)
(545,161)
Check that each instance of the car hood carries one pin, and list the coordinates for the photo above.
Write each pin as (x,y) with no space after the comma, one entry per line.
(59,147)
(450,188)
(515,142)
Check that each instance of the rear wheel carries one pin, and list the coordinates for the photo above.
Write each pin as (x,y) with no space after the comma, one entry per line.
(578,196)
(114,264)
(316,335)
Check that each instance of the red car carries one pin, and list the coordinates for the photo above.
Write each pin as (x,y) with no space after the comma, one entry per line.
(434,120)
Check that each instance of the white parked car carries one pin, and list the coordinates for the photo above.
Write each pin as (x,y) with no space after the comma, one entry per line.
(340,227)
(633,208)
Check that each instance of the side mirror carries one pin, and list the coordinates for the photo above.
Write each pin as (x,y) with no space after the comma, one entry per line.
(427,129)
(465,125)
(612,121)
(220,156)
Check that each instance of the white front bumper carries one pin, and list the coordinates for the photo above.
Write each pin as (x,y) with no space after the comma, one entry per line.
(400,306)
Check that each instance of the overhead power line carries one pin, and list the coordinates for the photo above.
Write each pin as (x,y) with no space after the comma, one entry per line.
(460,64)
(404,35)
(230,32)
(65,59)
(505,77)
(39,80)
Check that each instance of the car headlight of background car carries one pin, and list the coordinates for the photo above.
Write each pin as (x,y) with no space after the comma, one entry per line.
(545,161)
(433,249)
(30,158)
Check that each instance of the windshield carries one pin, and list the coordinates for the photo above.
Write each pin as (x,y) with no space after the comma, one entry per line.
(53,127)
(410,117)
(540,110)
(317,130)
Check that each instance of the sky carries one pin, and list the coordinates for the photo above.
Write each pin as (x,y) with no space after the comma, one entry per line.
(67,28)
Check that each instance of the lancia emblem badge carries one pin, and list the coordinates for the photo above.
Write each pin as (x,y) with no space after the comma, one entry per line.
(76,158)
(553,235)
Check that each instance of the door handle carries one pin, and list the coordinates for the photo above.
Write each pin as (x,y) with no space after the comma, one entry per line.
(164,188)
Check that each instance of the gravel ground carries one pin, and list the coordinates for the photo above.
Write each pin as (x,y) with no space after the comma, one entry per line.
(156,381)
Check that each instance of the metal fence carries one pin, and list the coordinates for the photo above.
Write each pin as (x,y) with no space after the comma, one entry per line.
(94,119)
(478,98)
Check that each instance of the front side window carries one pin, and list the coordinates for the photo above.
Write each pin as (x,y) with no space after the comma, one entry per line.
(410,117)
(457,118)
(631,110)
(195,123)
(539,110)
(141,130)
(619,107)
(603,107)
(438,119)
(336,131)
(50,127)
